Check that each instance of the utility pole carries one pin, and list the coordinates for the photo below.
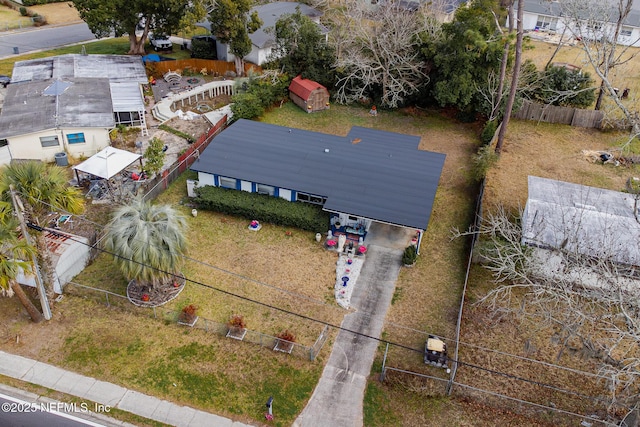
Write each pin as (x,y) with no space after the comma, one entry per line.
(44,302)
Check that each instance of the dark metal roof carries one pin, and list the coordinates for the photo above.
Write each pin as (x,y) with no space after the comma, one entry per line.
(369,173)
(86,102)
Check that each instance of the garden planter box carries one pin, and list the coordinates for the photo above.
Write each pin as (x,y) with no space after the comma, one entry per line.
(237,333)
(187,322)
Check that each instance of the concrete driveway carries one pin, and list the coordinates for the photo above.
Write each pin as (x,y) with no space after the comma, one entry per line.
(337,399)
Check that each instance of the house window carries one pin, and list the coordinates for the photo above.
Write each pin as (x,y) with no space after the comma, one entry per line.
(3,143)
(227,182)
(75,138)
(309,198)
(49,141)
(546,23)
(265,189)
(625,32)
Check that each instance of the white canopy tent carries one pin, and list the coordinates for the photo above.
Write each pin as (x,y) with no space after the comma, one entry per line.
(108,163)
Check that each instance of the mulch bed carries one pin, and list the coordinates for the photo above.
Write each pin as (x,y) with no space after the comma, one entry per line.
(143,295)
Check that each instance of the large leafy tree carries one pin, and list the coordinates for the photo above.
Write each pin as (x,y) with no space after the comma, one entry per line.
(148,241)
(42,188)
(472,46)
(13,255)
(119,17)
(231,23)
(302,49)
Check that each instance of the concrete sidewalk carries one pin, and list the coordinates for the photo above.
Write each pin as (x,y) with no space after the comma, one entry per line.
(337,399)
(108,395)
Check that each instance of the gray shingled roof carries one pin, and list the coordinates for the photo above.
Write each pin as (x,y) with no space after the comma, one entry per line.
(382,176)
(269,14)
(116,68)
(86,102)
(545,7)
(587,220)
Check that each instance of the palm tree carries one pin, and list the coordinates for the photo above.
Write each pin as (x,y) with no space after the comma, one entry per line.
(12,251)
(42,188)
(147,241)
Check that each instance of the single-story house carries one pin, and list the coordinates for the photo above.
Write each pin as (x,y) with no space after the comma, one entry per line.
(368,175)
(308,95)
(69,103)
(585,220)
(544,15)
(263,40)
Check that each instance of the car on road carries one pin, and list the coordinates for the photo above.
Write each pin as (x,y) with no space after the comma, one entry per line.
(160,42)
(4,80)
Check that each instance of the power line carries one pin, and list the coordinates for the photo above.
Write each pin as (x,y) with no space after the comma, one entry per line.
(337,327)
(289,312)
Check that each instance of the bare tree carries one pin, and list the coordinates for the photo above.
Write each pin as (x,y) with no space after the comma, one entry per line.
(598,25)
(377,52)
(592,302)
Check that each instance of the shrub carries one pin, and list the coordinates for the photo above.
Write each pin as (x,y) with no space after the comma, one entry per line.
(488,131)
(188,313)
(190,139)
(154,156)
(203,47)
(266,208)
(23,11)
(236,321)
(286,336)
(483,161)
(410,255)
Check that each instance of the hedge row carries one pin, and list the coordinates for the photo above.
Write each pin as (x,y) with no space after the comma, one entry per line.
(35,2)
(190,139)
(264,208)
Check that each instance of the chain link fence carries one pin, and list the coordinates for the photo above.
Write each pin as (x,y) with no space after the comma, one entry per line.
(119,301)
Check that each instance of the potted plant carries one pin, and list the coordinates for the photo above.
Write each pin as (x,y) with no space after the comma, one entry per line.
(237,327)
(331,243)
(284,341)
(188,315)
(410,256)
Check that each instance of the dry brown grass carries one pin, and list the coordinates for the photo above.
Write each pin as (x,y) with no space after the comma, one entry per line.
(550,151)
(58,13)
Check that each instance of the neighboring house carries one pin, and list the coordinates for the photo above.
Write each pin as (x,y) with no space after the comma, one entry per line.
(586,220)
(263,39)
(368,175)
(69,103)
(545,15)
(309,95)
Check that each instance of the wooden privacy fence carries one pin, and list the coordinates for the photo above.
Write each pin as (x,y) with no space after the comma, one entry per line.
(213,67)
(564,115)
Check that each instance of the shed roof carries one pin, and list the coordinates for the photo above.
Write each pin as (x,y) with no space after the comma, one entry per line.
(108,162)
(34,106)
(116,68)
(587,220)
(368,173)
(304,87)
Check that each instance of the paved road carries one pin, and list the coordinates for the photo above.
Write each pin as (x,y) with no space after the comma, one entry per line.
(46,37)
(337,399)
(20,413)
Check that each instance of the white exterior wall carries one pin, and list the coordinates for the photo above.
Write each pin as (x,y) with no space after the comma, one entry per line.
(285,194)
(205,179)
(530,20)
(28,146)
(245,186)
(5,155)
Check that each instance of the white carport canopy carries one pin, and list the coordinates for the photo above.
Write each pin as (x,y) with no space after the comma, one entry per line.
(108,162)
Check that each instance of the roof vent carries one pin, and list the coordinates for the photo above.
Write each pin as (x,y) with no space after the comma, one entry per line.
(326,150)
